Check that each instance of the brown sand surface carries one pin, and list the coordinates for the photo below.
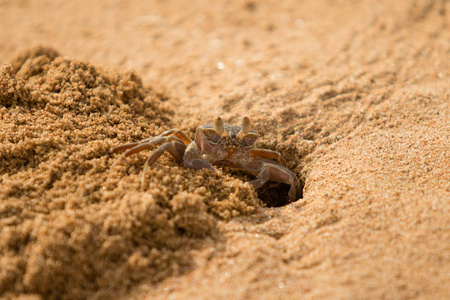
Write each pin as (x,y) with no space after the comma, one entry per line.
(354,94)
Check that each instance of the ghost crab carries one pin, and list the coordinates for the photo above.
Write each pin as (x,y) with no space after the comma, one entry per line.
(220,144)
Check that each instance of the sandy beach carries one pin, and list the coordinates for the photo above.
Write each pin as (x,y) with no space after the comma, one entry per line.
(353,94)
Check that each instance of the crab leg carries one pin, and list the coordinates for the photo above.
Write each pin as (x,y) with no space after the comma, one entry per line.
(176,148)
(266,170)
(124,147)
(143,145)
(179,134)
(175,132)
(266,153)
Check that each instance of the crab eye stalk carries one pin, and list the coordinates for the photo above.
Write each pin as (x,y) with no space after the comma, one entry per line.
(246,126)
(218,126)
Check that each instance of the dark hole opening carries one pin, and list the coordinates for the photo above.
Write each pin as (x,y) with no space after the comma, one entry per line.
(275,194)
(181,231)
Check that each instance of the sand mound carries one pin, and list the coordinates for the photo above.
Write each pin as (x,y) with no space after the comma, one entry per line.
(70,225)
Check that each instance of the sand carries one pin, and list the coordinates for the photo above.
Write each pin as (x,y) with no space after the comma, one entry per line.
(354,95)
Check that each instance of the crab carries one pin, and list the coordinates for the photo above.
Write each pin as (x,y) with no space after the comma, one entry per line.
(221,145)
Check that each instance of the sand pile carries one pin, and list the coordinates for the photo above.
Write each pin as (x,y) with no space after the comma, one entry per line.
(70,225)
